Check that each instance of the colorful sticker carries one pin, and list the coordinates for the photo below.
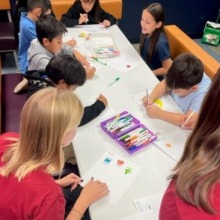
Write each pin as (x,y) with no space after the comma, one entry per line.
(107,160)
(128,170)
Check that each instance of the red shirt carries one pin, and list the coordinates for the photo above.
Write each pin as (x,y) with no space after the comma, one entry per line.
(174,208)
(37,196)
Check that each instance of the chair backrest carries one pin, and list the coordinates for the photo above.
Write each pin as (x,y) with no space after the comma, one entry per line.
(11,103)
(5,5)
(181,43)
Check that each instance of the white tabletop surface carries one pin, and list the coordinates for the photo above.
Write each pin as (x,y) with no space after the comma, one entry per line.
(91,142)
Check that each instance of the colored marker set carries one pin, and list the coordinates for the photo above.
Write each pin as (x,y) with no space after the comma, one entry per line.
(128,132)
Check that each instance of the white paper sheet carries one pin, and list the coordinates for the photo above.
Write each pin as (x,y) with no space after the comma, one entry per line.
(150,203)
(173,146)
(147,215)
(116,171)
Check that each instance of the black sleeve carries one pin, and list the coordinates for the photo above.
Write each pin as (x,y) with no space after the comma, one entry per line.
(91,112)
(103,15)
(71,17)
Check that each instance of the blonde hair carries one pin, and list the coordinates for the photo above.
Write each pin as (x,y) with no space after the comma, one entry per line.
(46,118)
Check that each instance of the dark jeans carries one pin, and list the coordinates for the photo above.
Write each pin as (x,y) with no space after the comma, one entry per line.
(71,198)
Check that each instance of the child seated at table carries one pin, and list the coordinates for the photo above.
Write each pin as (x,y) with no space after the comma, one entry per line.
(49,42)
(154,46)
(66,72)
(194,188)
(27,29)
(87,12)
(49,120)
(187,84)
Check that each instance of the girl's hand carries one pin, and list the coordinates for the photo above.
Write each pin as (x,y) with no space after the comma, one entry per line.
(71,179)
(83,18)
(93,191)
(106,23)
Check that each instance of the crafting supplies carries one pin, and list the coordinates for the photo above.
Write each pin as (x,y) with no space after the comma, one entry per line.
(128,132)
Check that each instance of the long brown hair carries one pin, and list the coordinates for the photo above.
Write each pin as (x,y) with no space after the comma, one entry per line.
(157,12)
(198,170)
(46,118)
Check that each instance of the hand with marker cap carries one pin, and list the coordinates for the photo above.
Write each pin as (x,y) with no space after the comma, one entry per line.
(83,18)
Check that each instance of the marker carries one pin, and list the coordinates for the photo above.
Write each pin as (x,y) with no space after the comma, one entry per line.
(97,60)
(147,97)
(113,82)
(191,114)
(113,122)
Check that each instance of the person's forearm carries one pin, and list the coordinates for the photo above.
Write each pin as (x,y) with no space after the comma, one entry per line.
(173,118)
(158,91)
(78,210)
(160,71)
(79,57)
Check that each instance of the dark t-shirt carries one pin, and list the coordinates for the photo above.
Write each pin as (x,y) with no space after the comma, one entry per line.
(160,54)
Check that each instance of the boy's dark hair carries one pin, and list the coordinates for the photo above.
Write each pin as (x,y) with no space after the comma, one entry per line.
(185,72)
(45,5)
(49,27)
(66,67)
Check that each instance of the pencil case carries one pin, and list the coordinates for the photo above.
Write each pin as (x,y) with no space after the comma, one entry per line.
(133,135)
(124,123)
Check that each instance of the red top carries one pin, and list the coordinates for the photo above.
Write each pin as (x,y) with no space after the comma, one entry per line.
(174,208)
(36,197)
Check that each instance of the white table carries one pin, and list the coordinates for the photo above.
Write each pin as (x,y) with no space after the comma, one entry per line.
(91,142)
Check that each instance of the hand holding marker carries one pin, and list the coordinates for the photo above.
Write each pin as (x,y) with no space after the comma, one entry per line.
(191,114)
(113,82)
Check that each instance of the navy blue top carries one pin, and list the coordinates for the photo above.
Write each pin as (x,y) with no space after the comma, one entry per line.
(161,52)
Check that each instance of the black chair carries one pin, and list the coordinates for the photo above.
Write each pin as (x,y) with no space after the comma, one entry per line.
(11,103)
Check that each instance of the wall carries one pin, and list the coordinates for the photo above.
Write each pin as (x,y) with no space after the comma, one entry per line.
(189,15)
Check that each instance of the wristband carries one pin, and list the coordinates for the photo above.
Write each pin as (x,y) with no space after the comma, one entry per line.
(79,213)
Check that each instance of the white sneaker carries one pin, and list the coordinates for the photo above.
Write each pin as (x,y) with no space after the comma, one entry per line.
(21,86)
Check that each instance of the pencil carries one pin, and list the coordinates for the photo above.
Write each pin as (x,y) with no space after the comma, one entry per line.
(191,114)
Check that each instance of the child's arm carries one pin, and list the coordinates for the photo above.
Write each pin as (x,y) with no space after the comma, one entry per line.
(159,90)
(92,111)
(71,17)
(81,58)
(171,117)
(106,18)
(190,123)
(163,70)
(90,71)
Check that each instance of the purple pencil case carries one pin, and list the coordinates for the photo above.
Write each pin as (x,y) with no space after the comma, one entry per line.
(128,132)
